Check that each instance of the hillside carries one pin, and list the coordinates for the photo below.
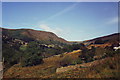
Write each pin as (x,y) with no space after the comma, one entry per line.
(103,68)
(108,40)
(33,34)
(29,53)
(29,47)
(47,68)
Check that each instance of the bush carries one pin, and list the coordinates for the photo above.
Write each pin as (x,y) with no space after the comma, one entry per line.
(99,51)
(87,55)
(31,60)
(110,51)
(31,54)
(77,61)
(65,61)
(10,55)
(99,41)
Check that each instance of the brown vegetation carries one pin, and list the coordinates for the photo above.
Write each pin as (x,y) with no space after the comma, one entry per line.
(48,67)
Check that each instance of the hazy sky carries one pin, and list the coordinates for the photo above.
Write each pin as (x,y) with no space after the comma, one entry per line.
(72,21)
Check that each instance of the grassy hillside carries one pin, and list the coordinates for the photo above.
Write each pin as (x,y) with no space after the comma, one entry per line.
(103,68)
(29,47)
(47,68)
(30,34)
(108,40)
(26,55)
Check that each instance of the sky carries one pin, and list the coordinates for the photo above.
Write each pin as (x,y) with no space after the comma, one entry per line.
(73,21)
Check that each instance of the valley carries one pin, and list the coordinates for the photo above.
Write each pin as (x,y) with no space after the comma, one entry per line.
(29,53)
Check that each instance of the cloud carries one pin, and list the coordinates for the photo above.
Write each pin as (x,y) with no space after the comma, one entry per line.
(63,11)
(60,12)
(45,27)
(114,20)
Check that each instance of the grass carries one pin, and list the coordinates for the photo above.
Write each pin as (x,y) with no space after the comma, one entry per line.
(104,68)
(47,68)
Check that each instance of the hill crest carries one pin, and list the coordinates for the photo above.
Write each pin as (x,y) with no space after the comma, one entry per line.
(37,35)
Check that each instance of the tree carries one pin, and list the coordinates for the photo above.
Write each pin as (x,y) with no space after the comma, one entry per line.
(32,54)
(11,56)
(31,60)
(87,54)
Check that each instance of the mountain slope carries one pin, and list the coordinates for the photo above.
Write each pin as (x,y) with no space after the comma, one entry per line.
(34,34)
(103,68)
(29,53)
(110,39)
(22,44)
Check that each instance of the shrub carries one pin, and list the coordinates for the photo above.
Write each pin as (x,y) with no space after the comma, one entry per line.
(110,51)
(99,41)
(65,61)
(31,60)
(87,55)
(77,61)
(10,55)
(99,51)
(31,54)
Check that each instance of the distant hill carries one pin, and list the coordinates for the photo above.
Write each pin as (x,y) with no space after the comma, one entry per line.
(33,34)
(110,39)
